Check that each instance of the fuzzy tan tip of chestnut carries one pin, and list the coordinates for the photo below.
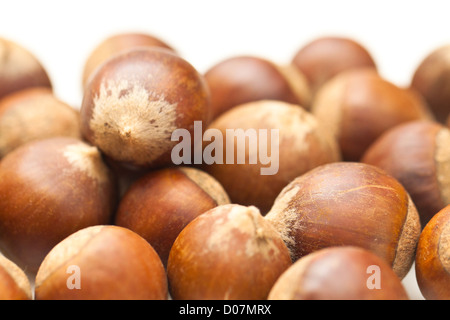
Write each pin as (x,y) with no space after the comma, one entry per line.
(417,154)
(49,189)
(359,105)
(243,79)
(115,44)
(35,114)
(433,257)
(14,284)
(229,252)
(347,203)
(102,263)
(339,273)
(161,203)
(19,69)
(287,142)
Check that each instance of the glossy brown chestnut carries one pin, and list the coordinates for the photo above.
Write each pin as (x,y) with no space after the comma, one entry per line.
(339,273)
(102,263)
(136,100)
(229,252)
(348,203)
(34,114)
(359,105)
(14,284)
(161,203)
(303,143)
(417,154)
(242,79)
(49,189)
(19,69)
(433,257)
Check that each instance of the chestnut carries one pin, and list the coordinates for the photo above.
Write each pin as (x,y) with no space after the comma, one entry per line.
(348,203)
(49,189)
(432,80)
(229,252)
(102,262)
(161,203)
(291,138)
(33,114)
(417,154)
(433,257)
(241,79)
(359,105)
(19,68)
(324,57)
(14,283)
(339,273)
(135,101)
(115,44)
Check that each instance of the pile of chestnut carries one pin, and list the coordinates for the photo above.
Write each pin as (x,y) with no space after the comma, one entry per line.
(93,207)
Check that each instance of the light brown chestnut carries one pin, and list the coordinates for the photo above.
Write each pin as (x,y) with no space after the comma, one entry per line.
(49,189)
(289,136)
(339,273)
(417,154)
(161,203)
(348,203)
(229,252)
(433,257)
(115,44)
(34,114)
(432,80)
(102,263)
(19,69)
(242,79)
(14,283)
(359,105)
(136,100)
(324,57)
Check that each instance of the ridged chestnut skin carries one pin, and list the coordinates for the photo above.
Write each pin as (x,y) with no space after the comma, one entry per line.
(348,203)
(433,257)
(323,58)
(339,273)
(228,253)
(136,100)
(49,189)
(14,283)
(359,105)
(417,154)
(241,79)
(161,203)
(113,263)
(116,43)
(35,114)
(20,69)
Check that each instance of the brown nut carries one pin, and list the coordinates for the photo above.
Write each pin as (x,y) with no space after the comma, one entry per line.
(229,252)
(324,57)
(34,114)
(241,79)
(417,154)
(115,44)
(339,273)
(433,257)
(302,145)
(14,284)
(19,69)
(359,105)
(161,203)
(347,203)
(102,263)
(49,189)
(136,100)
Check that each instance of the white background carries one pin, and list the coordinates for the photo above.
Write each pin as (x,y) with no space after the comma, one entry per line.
(62,33)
